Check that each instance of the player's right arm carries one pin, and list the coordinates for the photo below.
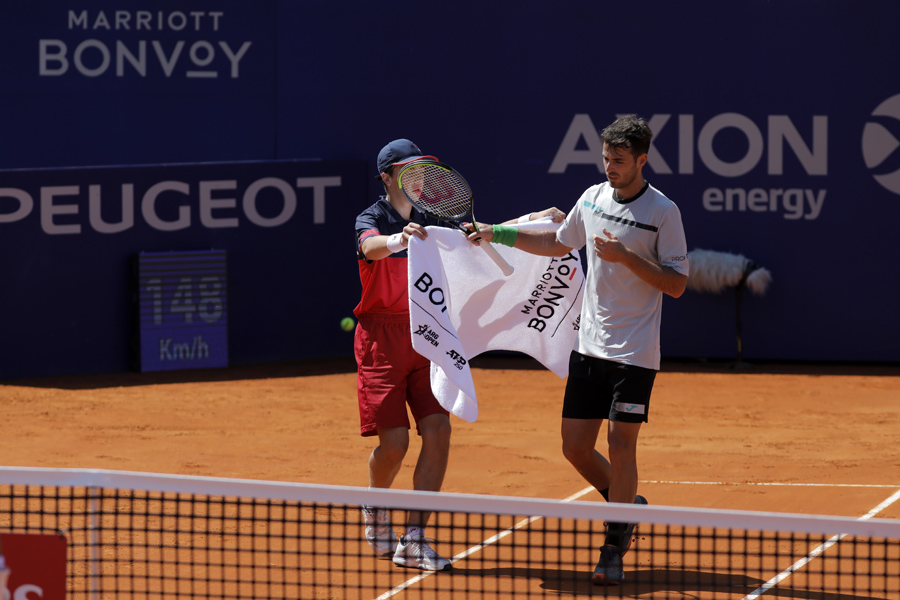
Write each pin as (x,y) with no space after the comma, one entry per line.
(541,243)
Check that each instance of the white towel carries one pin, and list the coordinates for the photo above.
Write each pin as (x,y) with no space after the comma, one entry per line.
(461,305)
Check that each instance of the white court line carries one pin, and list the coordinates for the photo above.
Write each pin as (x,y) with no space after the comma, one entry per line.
(491,540)
(816,552)
(764,483)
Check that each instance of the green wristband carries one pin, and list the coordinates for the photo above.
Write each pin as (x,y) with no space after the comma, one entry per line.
(505,235)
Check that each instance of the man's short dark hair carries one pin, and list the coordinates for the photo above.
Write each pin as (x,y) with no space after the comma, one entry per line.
(629,132)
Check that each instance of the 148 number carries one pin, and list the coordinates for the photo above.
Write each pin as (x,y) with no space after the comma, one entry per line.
(208,305)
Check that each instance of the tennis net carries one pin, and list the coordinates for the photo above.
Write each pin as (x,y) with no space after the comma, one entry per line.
(139,535)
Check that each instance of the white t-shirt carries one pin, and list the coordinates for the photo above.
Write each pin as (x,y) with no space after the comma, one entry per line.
(621,313)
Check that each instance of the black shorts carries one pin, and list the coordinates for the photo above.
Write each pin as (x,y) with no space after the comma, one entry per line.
(603,389)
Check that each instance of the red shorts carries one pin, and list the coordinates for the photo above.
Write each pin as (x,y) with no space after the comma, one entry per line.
(391,374)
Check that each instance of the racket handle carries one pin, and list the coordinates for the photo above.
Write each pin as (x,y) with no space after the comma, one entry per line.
(495,256)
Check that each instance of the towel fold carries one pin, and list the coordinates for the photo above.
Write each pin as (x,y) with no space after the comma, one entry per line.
(461,305)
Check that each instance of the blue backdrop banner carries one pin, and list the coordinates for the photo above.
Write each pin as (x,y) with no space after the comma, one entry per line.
(71,237)
(777,133)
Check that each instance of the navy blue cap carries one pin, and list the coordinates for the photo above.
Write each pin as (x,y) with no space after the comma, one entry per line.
(398,152)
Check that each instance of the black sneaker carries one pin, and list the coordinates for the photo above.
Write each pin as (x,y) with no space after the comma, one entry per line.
(609,568)
(626,535)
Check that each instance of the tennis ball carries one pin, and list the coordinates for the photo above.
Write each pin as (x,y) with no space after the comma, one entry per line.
(347,323)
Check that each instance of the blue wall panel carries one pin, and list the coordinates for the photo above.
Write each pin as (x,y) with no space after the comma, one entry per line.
(69,301)
(792,105)
(103,83)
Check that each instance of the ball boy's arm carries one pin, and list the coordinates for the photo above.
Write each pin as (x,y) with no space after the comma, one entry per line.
(377,247)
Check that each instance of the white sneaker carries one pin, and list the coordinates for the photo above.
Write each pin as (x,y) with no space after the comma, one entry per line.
(379,533)
(416,553)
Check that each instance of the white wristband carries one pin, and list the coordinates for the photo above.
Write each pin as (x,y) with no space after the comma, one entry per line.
(525,218)
(395,243)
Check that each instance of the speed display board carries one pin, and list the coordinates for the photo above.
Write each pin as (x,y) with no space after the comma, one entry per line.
(182,310)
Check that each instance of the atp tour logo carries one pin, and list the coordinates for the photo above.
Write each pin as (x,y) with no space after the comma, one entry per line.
(879,145)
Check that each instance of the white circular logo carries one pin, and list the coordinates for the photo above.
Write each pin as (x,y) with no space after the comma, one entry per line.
(879,144)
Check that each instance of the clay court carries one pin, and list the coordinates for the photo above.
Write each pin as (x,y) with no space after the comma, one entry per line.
(810,439)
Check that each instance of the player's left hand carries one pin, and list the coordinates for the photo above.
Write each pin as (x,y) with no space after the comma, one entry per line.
(609,249)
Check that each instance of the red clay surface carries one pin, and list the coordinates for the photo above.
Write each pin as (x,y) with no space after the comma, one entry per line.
(827,435)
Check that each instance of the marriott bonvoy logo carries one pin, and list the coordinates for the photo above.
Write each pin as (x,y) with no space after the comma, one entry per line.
(203,55)
(880,145)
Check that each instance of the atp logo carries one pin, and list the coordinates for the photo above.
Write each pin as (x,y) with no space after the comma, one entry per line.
(880,145)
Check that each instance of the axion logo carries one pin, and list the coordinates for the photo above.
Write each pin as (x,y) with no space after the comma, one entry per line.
(879,145)
(766,150)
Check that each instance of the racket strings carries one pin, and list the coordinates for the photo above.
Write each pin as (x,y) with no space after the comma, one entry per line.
(437,190)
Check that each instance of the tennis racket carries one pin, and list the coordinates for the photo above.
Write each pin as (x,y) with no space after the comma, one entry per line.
(438,190)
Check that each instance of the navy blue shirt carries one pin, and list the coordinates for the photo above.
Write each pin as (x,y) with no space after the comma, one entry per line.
(384,282)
